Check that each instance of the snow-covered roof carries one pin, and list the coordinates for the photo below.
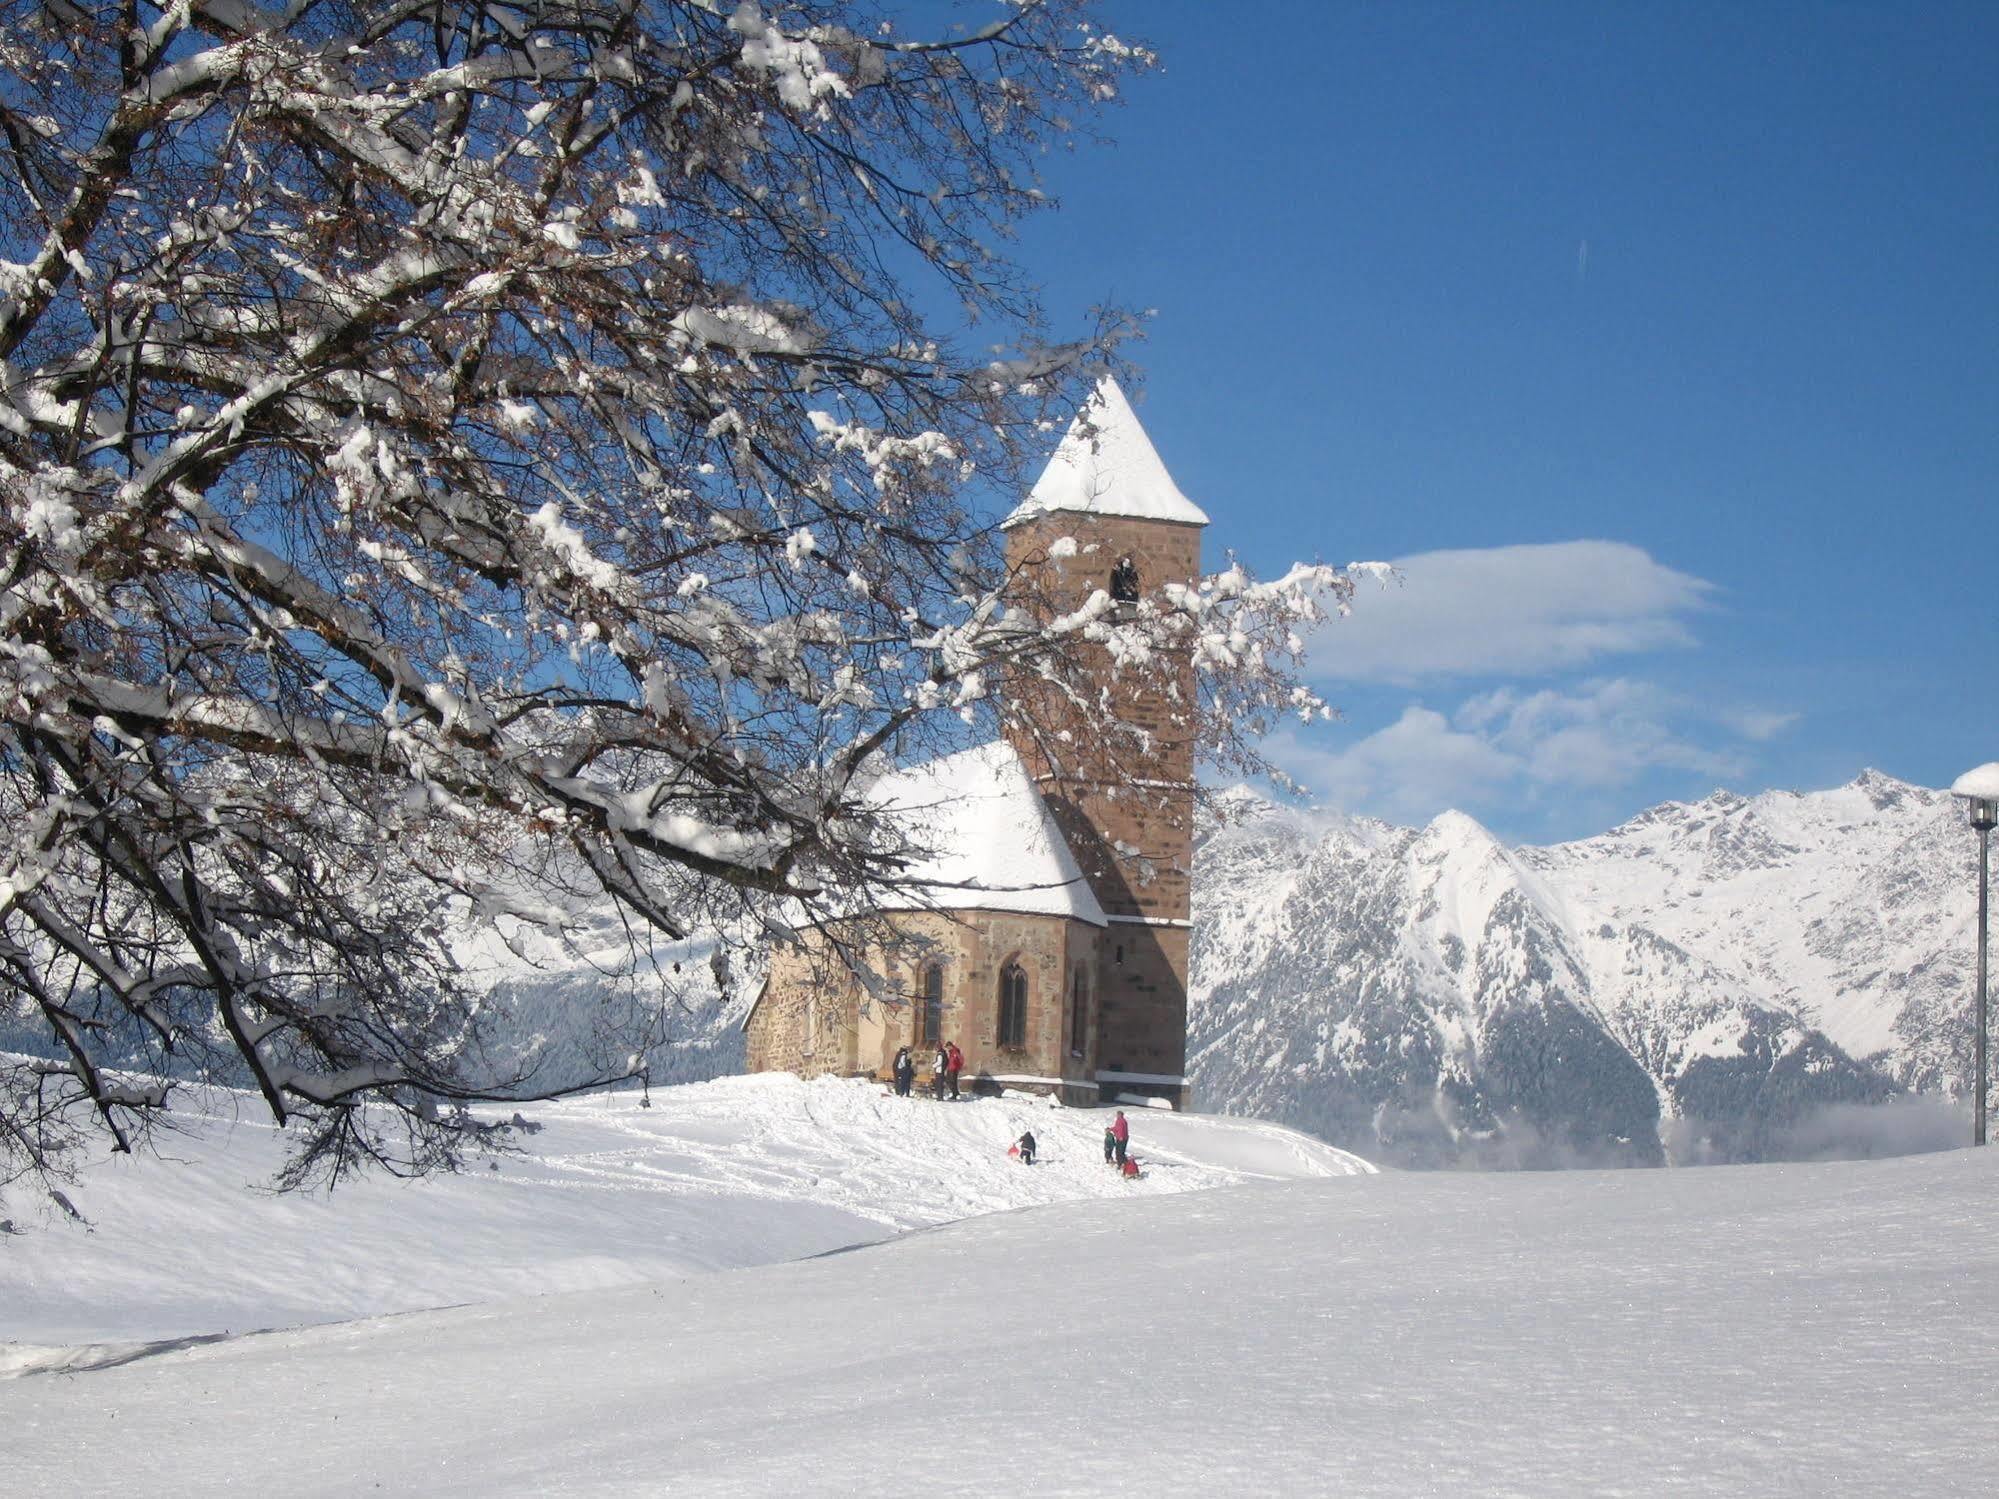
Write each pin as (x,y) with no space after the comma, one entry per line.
(994,844)
(1984,781)
(1106,465)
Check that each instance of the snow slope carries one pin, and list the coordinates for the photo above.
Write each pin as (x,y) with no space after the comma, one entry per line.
(1731,1331)
(740,1171)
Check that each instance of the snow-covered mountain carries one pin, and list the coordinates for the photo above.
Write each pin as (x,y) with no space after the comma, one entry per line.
(1727,979)
(595,997)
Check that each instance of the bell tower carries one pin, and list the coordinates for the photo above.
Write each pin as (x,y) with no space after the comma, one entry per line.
(1106,516)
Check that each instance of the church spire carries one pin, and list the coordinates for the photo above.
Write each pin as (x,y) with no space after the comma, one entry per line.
(1107,466)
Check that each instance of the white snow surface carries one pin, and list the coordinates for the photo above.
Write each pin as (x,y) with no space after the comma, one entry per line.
(992,843)
(710,1176)
(1106,465)
(1723,1331)
(1983,781)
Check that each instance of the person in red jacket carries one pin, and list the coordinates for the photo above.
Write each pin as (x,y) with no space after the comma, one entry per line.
(954,1064)
(1120,1136)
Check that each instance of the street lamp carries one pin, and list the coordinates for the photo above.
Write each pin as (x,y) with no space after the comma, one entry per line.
(1980,790)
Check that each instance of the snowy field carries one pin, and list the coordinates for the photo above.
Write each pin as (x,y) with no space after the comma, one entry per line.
(1761,1330)
(712,1176)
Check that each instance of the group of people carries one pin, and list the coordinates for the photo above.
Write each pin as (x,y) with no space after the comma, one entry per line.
(949,1062)
(945,1067)
(1117,1136)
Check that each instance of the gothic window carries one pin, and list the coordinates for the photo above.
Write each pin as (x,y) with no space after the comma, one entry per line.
(1079,1011)
(1124,581)
(930,1007)
(1013,1006)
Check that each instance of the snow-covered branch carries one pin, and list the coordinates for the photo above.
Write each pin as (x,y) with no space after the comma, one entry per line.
(457,447)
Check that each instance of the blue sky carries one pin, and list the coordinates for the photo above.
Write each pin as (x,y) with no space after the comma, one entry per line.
(1660,343)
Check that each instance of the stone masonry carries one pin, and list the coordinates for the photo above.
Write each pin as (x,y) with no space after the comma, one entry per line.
(1130,823)
(813,1018)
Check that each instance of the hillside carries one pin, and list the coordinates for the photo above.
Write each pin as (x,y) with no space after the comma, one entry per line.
(1732,979)
(617,1189)
(1741,1331)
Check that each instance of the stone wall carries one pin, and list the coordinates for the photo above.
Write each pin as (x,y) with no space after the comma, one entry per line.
(1130,825)
(1129,820)
(1144,1010)
(805,1020)
(809,999)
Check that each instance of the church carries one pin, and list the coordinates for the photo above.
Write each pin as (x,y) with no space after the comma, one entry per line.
(1055,951)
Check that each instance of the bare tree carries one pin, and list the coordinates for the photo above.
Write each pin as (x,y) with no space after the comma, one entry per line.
(458,456)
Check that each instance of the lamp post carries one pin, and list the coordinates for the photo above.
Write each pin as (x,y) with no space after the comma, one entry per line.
(1980,790)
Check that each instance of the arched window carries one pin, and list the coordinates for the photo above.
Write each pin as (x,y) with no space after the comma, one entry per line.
(1124,581)
(1013,1006)
(930,1007)
(1079,1011)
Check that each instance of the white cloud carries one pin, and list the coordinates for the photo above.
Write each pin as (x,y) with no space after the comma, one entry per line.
(1756,724)
(1511,747)
(1407,772)
(1603,734)
(1509,611)
(1513,633)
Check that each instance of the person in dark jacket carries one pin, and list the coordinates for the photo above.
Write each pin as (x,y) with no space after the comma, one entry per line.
(1025,1145)
(1110,1146)
(905,1072)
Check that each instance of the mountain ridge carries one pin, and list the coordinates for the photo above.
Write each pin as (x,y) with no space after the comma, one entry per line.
(1707,980)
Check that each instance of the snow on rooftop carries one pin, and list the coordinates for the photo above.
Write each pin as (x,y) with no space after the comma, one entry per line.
(1984,781)
(993,844)
(1106,465)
